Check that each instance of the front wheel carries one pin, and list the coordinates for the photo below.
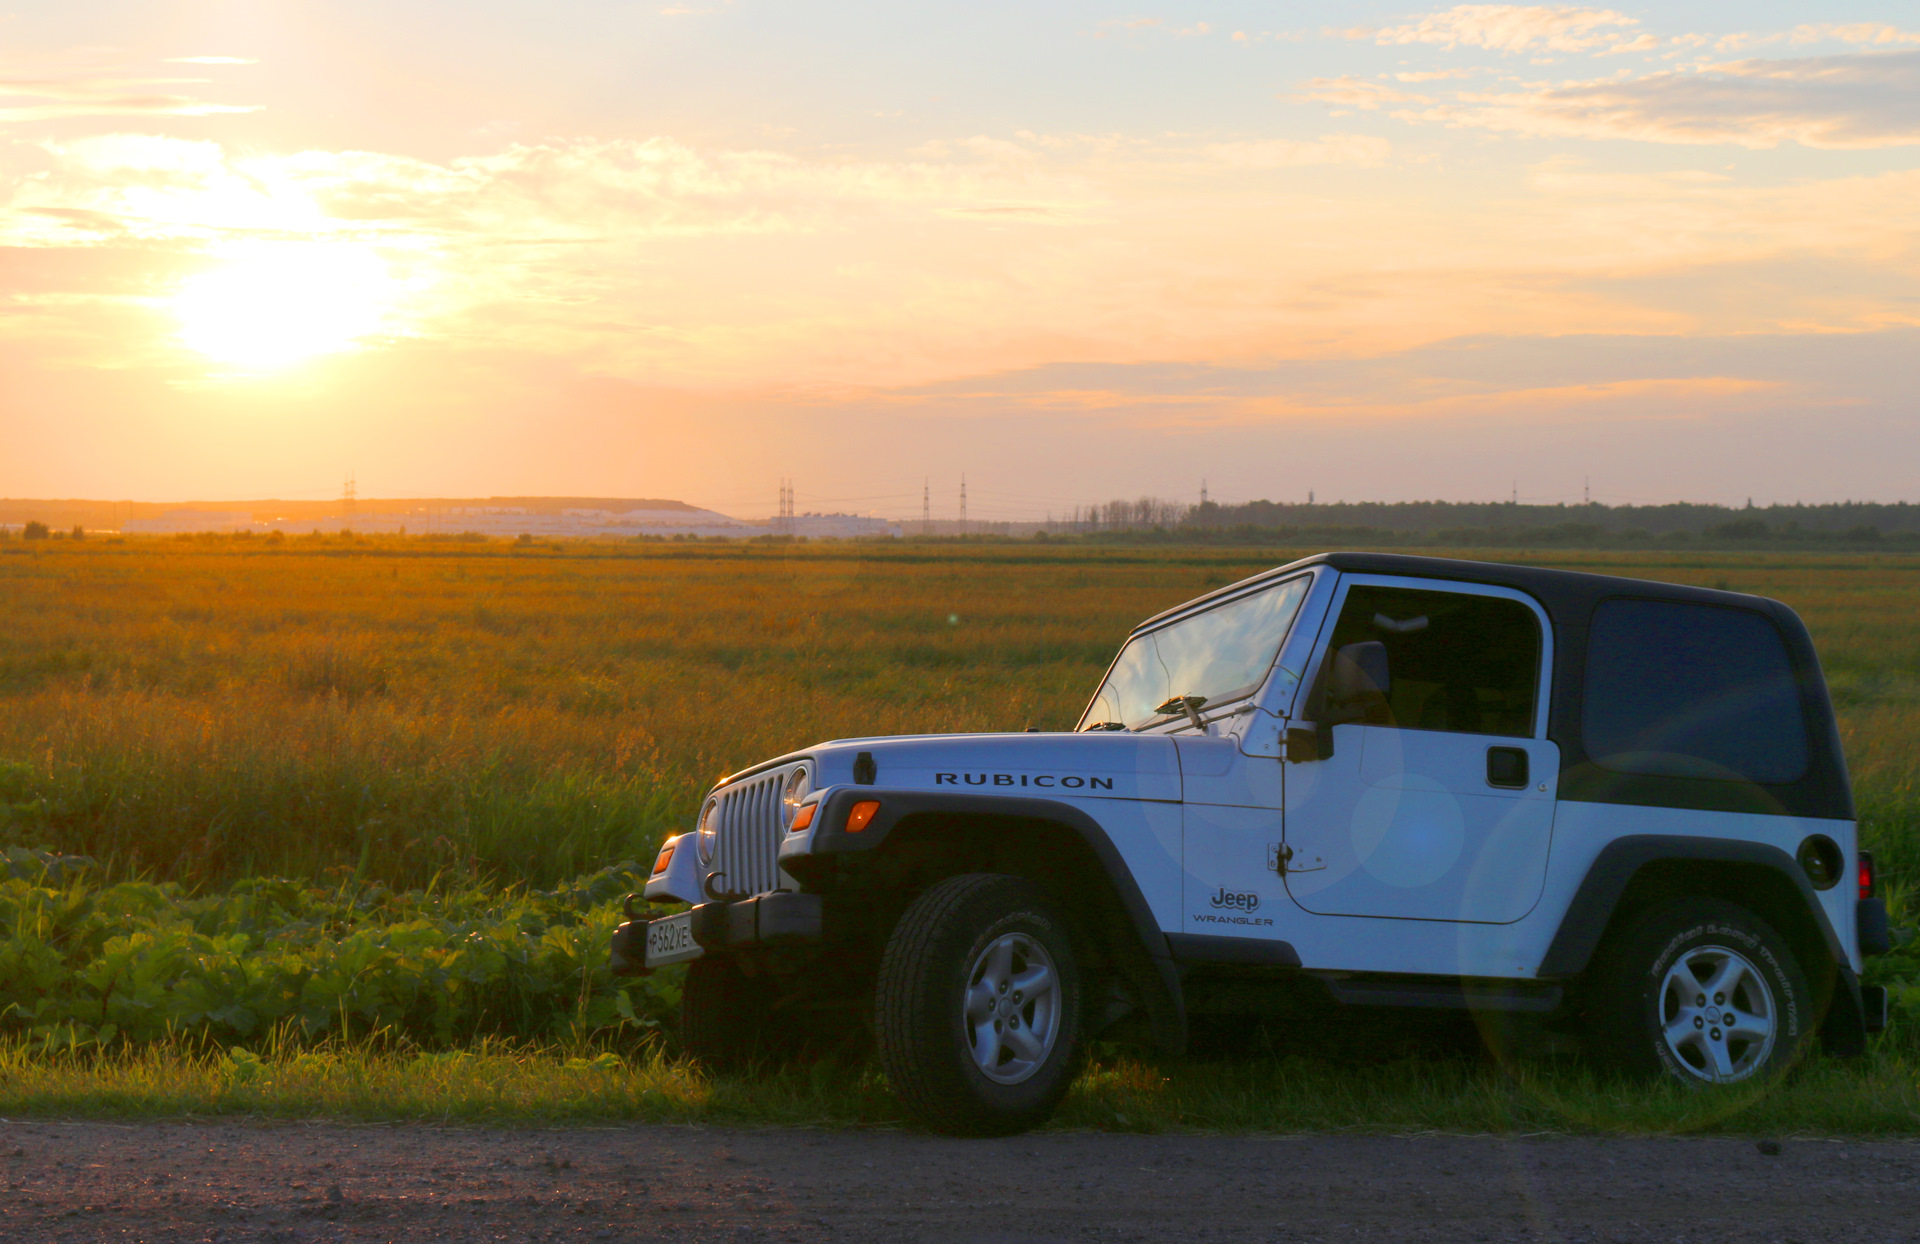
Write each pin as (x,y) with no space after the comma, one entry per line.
(977,1006)
(726,1016)
(1703,992)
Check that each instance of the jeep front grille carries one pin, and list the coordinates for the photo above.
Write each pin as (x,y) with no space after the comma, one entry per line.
(747,836)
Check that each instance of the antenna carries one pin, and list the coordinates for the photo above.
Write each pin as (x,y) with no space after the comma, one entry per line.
(1586,489)
(1203,491)
(963,505)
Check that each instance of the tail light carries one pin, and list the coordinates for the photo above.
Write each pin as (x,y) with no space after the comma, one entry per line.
(1868,884)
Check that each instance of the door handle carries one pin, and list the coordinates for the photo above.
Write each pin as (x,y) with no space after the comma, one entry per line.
(1507,767)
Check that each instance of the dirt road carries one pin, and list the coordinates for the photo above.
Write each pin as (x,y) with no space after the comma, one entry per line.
(323,1183)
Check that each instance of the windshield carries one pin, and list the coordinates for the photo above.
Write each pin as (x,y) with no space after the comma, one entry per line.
(1221,654)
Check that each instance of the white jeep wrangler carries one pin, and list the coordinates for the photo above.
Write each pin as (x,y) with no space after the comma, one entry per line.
(1414,781)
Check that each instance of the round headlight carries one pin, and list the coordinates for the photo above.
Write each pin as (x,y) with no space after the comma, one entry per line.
(707,830)
(797,788)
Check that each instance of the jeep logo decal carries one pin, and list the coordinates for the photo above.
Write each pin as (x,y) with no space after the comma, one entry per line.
(1042,780)
(1244,900)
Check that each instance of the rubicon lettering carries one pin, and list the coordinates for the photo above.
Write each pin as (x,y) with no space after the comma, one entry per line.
(1045,781)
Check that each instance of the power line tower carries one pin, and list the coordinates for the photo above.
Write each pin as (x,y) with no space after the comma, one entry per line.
(350,498)
(963,505)
(784,522)
(926,506)
(1203,492)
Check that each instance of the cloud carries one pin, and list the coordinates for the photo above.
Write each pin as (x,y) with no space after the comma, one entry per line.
(1846,101)
(1513,28)
(1358,149)
(212,60)
(1348,91)
(60,98)
(668,262)
(1128,25)
(1466,381)
(562,190)
(1877,33)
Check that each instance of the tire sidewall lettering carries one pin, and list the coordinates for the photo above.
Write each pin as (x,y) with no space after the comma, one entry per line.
(1748,943)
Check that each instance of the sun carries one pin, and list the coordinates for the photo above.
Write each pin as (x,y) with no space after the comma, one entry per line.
(272,304)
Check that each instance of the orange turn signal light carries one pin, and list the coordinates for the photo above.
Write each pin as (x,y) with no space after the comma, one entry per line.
(803,817)
(666,858)
(862,815)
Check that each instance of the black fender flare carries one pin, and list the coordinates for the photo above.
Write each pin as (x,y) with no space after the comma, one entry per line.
(1586,918)
(830,837)
(1585,921)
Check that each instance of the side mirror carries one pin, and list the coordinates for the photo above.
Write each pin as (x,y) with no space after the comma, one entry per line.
(1358,684)
(1303,743)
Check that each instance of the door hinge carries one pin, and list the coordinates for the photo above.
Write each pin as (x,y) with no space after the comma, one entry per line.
(1280,860)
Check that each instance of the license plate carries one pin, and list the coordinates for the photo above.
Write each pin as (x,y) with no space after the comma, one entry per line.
(670,940)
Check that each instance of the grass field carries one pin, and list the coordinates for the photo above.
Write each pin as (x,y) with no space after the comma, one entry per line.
(371,717)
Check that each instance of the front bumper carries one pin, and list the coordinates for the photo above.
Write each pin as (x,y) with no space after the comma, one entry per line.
(780,917)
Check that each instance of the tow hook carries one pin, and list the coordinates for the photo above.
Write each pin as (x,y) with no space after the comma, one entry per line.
(629,950)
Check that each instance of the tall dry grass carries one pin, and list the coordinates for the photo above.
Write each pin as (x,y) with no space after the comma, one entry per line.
(214,708)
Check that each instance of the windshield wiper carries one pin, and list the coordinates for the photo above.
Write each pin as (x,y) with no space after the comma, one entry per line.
(1188,704)
(1102,725)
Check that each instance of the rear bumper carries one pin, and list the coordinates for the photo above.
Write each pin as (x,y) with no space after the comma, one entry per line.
(1870,924)
(1873,1007)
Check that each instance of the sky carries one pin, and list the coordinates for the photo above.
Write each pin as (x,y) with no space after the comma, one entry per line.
(1071,252)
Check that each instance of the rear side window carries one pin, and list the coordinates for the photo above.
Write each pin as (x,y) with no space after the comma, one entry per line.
(1677,690)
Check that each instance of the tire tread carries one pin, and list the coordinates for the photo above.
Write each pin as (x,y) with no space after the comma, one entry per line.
(907,1015)
(1616,1036)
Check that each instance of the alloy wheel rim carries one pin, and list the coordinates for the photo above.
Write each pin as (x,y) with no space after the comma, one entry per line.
(1717,1014)
(1012,1008)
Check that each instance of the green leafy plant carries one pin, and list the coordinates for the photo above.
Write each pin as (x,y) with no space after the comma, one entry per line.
(86,964)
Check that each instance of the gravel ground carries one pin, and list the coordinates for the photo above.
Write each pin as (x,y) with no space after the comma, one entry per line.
(232,1182)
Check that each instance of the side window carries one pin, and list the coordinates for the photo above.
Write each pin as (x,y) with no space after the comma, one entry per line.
(1679,690)
(1450,661)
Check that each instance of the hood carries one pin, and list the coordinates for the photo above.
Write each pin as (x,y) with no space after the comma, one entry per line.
(1089,766)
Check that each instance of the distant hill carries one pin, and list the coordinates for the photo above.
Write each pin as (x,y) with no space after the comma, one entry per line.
(108,515)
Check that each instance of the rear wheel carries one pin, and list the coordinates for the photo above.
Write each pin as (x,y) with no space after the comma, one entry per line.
(977,1006)
(1703,992)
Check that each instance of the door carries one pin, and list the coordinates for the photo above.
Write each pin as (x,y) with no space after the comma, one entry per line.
(1435,799)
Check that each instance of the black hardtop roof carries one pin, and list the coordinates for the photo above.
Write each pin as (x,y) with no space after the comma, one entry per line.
(1569,598)
(1549,587)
